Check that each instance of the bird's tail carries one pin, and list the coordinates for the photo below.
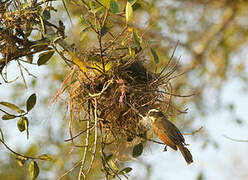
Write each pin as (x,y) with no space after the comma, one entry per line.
(186,154)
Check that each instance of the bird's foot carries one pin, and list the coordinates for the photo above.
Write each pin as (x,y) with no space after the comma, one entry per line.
(165,148)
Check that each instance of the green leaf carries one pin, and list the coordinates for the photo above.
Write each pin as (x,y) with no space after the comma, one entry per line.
(8,117)
(155,56)
(114,165)
(129,11)
(239,121)
(33,170)
(131,52)
(107,158)
(125,170)
(137,150)
(40,47)
(114,6)
(104,30)
(96,7)
(21,124)
(137,39)
(31,102)
(132,1)
(44,57)
(46,15)
(12,106)
(47,157)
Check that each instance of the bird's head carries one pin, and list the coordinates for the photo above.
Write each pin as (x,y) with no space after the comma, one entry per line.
(153,114)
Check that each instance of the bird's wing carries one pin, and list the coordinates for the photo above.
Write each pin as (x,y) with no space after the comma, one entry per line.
(159,131)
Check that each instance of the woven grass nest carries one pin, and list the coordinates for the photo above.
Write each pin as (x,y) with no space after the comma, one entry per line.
(119,97)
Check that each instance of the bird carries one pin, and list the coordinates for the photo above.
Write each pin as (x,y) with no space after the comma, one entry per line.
(168,133)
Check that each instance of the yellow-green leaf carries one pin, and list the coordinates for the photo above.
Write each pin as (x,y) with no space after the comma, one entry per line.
(155,56)
(47,157)
(129,11)
(44,57)
(114,6)
(31,102)
(21,160)
(12,106)
(33,170)
(105,3)
(125,170)
(131,52)
(113,164)
(78,61)
(137,39)
(22,124)
(8,117)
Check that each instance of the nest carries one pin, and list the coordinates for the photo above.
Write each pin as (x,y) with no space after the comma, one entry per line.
(120,96)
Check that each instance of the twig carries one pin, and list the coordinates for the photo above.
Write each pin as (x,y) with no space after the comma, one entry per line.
(63,83)
(67,172)
(15,153)
(196,131)
(173,53)
(170,97)
(95,142)
(2,137)
(72,138)
(105,86)
(115,39)
(236,140)
(16,116)
(103,157)
(30,74)
(177,95)
(24,81)
(86,145)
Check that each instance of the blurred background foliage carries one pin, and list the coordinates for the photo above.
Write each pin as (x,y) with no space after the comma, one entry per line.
(212,39)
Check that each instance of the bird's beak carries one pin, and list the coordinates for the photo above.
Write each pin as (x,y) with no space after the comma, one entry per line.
(152,118)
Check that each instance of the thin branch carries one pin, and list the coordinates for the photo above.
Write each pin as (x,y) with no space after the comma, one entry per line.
(67,172)
(23,78)
(170,97)
(173,53)
(15,153)
(86,145)
(30,74)
(95,142)
(1,132)
(74,137)
(177,95)
(236,140)
(105,87)
(196,131)
(16,116)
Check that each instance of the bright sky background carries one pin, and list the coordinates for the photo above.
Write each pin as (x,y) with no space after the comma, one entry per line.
(229,161)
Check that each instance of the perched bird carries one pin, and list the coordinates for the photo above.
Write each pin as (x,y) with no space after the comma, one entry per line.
(169,133)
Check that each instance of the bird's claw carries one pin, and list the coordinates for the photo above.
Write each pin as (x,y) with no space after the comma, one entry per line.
(165,148)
